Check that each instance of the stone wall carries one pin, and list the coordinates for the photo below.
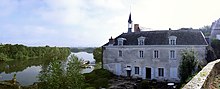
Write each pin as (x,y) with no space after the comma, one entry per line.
(205,78)
(131,57)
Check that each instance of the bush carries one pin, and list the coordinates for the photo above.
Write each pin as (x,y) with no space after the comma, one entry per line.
(90,88)
(103,73)
(187,65)
(101,82)
(98,78)
(145,84)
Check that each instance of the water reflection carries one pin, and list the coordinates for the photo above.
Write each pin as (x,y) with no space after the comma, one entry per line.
(25,77)
(27,70)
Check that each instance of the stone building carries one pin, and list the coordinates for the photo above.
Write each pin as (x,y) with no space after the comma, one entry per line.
(151,54)
(215,30)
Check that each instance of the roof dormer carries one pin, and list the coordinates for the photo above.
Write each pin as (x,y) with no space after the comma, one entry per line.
(172,40)
(121,41)
(141,40)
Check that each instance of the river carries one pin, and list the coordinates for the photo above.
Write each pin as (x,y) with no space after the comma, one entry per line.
(27,75)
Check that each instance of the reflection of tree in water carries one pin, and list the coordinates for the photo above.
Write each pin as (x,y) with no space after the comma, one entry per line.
(15,58)
(18,65)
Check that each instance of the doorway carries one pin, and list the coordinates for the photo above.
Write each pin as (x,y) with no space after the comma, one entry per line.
(148,73)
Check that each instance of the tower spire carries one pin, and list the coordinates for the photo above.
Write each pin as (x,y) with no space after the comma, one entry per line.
(129,19)
(129,23)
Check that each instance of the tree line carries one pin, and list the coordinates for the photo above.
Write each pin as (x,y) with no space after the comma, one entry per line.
(87,49)
(9,52)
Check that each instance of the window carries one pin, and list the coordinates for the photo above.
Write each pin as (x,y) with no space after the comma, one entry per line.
(172,54)
(141,40)
(161,72)
(141,53)
(121,41)
(120,53)
(156,54)
(136,70)
(172,40)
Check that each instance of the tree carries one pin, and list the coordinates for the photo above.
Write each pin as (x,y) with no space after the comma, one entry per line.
(206,30)
(3,57)
(74,78)
(97,53)
(52,77)
(187,65)
(216,47)
(57,77)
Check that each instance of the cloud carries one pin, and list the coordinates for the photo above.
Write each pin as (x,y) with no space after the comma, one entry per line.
(93,22)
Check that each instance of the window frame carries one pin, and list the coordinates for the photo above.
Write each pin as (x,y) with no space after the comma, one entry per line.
(160,72)
(156,54)
(136,70)
(172,54)
(172,40)
(120,53)
(141,54)
(141,40)
(121,41)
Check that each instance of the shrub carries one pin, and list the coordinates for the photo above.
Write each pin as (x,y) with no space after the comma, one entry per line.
(103,73)
(145,84)
(101,82)
(90,88)
(98,78)
(187,65)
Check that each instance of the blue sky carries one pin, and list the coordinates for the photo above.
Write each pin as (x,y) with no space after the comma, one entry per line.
(83,23)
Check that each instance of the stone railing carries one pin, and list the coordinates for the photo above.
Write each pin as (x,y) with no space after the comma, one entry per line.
(204,79)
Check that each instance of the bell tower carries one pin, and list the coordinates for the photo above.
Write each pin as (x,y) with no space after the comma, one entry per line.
(129,24)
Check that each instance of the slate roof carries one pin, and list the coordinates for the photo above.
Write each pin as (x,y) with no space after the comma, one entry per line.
(184,37)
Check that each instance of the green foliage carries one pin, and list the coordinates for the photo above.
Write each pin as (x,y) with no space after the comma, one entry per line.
(145,84)
(52,76)
(14,58)
(10,52)
(206,30)
(57,77)
(88,50)
(101,82)
(90,88)
(216,47)
(210,56)
(187,65)
(97,53)
(98,78)
(74,77)
(3,57)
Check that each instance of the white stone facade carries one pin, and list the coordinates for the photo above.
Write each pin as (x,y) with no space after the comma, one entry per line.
(149,66)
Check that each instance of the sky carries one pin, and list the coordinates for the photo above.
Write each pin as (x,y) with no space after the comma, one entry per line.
(90,23)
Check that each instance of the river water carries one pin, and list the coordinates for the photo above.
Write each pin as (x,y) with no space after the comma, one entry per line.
(28,75)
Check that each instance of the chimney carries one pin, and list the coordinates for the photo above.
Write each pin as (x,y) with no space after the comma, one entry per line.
(136,28)
(170,29)
(111,41)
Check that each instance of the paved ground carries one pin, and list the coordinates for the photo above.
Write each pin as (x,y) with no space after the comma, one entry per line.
(127,83)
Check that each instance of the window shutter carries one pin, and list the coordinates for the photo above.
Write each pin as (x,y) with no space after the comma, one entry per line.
(156,72)
(164,72)
(140,69)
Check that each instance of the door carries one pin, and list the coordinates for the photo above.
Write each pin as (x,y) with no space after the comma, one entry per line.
(148,73)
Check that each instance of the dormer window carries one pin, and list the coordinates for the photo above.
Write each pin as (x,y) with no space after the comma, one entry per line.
(121,41)
(172,40)
(141,40)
